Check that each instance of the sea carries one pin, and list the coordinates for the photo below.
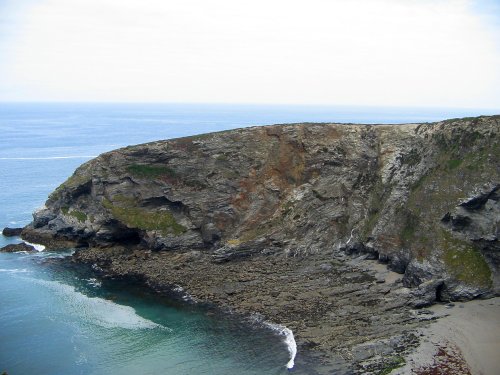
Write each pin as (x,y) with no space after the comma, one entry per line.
(61,320)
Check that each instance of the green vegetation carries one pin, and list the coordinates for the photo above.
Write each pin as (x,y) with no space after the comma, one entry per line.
(150,171)
(394,363)
(124,200)
(135,217)
(454,163)
(411,158)
(371,221)
(376,205)
(464,261)
(457,141)
(455,119)
(462,160)
(419,182)
(159,171)
(411,221)
(222,158)
(74,181)
(230,174)
(79,215)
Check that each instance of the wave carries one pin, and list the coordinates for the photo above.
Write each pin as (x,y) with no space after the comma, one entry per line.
(15,270)
(99,311)
(60,254)
(289,341)
(93,282)
(52,157)
(184,295)
(37,246)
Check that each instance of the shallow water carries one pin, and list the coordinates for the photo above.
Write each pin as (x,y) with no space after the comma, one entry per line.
(56,320)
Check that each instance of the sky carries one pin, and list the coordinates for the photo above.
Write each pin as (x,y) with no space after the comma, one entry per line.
(420,53)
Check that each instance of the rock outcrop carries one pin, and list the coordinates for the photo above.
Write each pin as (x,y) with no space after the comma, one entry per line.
(13,248)
(11,232)
(422,198)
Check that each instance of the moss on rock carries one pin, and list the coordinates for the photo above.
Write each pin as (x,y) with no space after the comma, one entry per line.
(135,217)
(77,179)
(150,171)
(394,363)
(79,215)
(464,261)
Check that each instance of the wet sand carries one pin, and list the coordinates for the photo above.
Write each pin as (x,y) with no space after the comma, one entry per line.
(468,331)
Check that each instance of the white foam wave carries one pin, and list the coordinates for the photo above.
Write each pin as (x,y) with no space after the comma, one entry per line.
(37,246)
(51,157)
(94,282)
(58,254)
(185,296)
(97,310)
(15,270)
(289,340)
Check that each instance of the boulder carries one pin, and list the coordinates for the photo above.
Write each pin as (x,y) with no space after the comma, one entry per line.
(11,232)
(13,248)
(426,293)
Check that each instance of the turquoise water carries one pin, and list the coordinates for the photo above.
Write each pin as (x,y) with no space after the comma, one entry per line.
(59,320)
(63,322)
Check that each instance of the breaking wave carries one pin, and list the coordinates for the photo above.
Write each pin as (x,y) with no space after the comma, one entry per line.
(289,340)
(37,246)
(99,311)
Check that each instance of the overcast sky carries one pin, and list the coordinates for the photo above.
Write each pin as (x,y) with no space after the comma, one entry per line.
(342,52)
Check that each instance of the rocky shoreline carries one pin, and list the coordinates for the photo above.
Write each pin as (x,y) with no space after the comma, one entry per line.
(303,225)
(332,310)
(351,315)
(347,347)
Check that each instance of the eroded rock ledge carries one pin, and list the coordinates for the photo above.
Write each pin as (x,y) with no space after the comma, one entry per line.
(282,220)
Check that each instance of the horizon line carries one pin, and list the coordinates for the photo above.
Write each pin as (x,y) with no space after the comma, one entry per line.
(249,104)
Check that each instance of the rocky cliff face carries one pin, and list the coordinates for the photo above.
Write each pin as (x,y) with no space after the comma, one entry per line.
(423,198)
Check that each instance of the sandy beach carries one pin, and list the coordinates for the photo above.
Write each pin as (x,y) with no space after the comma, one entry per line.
(464,340)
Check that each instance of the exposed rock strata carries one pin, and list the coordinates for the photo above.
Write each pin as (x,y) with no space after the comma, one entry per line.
(266,220)
(339,307)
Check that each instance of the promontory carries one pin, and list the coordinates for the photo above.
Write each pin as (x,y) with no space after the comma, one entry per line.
(343,233)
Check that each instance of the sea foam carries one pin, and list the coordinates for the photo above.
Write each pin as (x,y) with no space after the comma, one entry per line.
(289,340)
(15,270)
(98,311)
(37,246)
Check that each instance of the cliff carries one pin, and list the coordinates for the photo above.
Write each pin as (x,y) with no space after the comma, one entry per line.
(297,205)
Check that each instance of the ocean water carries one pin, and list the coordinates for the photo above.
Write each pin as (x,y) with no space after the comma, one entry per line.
(59,320)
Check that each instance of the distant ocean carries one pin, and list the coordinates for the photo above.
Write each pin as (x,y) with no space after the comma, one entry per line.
(55,320)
